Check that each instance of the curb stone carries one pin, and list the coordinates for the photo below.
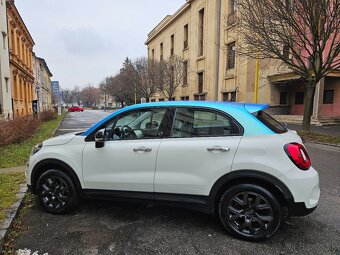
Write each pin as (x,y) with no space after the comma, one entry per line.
(11,214)
(55,130)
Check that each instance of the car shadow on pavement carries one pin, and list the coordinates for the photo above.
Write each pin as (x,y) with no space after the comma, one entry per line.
(110,227)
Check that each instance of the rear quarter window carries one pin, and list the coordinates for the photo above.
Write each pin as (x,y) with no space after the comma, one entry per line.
(270,122)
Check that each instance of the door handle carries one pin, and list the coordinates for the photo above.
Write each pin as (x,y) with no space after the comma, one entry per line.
(218,148)
(142,148)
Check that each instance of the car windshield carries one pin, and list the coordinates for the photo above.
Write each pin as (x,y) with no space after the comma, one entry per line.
(270,122)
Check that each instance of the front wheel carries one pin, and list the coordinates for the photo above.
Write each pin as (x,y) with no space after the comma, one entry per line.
(56,192)
(250,212)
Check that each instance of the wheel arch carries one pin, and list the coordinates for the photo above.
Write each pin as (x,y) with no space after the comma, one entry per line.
(265,180)
(47,164)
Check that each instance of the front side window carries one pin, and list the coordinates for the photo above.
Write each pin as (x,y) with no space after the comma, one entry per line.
(140,124)
(190,122)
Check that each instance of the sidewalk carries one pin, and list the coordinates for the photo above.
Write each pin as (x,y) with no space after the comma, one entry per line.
(332,130)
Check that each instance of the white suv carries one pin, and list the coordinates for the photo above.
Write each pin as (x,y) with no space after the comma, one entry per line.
(229,159)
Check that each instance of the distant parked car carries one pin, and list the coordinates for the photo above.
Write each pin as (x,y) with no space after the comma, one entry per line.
(76,109)
(229,159)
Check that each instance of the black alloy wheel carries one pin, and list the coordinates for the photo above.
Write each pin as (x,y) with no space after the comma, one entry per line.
(250,212)
(56,192)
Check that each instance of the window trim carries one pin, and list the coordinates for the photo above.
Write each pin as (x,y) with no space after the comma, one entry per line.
(208,109)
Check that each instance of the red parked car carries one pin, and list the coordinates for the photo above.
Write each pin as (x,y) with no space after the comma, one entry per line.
(76,109)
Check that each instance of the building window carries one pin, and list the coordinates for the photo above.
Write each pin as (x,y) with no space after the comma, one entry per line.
(6,81)
(153,100)
(4,36)
(328,96)
(201,33)
(199,97)
(200,82)
(173,99)
(283,98)
(229,96)
(185,73)
(232,16)
(161,99)
(185,98)
(231,55)
(186,36)
(153,53)
(12,40)
(161,52)
(172,44)
(299,97)
(285,51)
(232,6)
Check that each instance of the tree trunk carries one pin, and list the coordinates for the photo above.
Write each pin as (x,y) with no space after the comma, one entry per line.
(308,105)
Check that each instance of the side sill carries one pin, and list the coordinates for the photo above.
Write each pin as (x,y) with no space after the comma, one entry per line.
(193,202)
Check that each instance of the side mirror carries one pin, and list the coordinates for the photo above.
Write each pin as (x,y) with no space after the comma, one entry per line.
(100,138)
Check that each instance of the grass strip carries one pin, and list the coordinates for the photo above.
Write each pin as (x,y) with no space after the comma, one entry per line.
(313,137)
(17,154)
(9,187)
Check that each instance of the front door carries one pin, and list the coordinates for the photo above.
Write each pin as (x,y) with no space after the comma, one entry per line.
(127,161)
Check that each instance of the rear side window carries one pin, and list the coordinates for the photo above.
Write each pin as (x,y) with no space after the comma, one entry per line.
(270,122)
(191,122)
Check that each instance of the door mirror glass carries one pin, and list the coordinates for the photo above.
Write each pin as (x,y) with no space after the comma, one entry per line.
(100,138)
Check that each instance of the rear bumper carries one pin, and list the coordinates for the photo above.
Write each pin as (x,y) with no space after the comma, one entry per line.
(299,209)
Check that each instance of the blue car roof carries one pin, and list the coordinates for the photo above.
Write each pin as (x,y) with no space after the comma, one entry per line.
(242,112)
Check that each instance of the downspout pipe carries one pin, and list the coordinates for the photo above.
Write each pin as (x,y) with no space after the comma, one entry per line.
(218,48)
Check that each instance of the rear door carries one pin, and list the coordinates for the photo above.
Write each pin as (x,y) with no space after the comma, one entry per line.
(200,149)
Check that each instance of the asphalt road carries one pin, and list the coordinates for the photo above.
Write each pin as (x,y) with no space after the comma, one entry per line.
(79,121)
(104,227)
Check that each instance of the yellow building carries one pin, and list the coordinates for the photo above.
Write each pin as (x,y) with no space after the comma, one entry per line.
(21,64)
(198,33)
(204,33)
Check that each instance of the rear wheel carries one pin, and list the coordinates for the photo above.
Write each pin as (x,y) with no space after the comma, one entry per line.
(250,212)
(56,192)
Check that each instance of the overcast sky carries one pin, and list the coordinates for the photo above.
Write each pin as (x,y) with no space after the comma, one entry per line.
(83,41)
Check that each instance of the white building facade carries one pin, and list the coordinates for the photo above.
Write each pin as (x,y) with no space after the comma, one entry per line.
(6,111)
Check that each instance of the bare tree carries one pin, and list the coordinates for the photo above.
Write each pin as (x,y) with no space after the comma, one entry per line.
(67,96)
(76,94)
(105,90)
(173,72)
(146,77)
(303,34)
(90,96)
(120,89)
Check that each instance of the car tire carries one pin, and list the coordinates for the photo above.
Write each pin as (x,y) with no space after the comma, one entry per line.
(250,212)
(57,192)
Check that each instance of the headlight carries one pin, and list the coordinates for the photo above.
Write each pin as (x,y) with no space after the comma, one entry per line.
(36,148)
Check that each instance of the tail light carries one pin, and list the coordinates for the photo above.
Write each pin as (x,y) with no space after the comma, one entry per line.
(298,155)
